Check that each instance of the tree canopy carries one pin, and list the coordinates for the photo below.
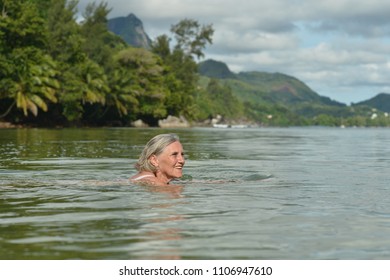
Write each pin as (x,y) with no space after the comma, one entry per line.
(54,69)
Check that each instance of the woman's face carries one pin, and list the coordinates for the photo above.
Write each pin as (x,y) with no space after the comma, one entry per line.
(171,161)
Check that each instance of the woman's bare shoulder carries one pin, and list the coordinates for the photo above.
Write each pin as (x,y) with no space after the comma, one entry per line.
(142,176)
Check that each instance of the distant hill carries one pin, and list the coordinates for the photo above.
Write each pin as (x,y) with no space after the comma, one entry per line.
(380,102)
(271,88)
(281,88)
(131,30)
(215,69)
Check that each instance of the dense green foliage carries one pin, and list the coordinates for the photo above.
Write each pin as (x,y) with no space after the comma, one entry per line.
(55,71)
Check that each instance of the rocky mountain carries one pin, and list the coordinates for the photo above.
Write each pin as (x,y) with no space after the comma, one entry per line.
(131,30)
(380,102)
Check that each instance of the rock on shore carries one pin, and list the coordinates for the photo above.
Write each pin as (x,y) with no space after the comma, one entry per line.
(173,122)
(139,124)
(7,125)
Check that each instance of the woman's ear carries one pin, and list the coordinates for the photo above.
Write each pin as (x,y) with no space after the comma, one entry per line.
(154,160)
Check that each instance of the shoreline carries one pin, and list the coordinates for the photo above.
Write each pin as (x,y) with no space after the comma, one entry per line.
(228,125)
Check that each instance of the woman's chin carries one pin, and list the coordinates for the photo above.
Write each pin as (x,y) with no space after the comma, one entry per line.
(178,174)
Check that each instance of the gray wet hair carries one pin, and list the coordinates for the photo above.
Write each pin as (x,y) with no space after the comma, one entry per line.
(155,146)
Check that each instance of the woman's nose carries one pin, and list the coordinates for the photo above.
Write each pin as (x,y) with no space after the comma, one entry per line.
(181,158)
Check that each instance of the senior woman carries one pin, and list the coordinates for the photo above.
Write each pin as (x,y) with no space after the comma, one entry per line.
(161,161)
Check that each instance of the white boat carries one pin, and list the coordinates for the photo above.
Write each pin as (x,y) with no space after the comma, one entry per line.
(220,125)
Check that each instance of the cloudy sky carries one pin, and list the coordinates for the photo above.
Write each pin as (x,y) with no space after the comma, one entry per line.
(339,48)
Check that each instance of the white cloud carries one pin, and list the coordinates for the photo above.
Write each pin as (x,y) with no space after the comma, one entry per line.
(340,48)
(228,41)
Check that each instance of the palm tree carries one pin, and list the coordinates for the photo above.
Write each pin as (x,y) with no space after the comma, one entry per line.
(94,83)
(33,84)
(82,83)
(121,95)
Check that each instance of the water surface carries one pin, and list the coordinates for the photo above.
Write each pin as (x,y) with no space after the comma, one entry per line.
(264,193)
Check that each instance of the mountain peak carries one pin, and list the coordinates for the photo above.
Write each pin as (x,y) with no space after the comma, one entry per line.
(215,69)
(131,29)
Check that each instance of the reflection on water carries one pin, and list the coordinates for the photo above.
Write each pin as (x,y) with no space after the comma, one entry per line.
(293,193)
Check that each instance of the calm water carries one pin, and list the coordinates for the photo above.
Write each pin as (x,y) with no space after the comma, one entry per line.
(267,193)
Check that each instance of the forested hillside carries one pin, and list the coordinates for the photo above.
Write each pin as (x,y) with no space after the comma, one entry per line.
(279,99)
(380,102)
